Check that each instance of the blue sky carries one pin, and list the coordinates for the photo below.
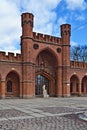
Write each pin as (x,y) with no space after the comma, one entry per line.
(48,16)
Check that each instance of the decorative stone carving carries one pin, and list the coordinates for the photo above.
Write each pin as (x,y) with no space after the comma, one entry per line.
(45,95)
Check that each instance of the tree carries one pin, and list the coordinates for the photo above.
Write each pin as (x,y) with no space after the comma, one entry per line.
(75,53)
(83,53)
(79,53)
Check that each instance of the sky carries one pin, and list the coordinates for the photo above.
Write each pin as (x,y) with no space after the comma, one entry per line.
(48,16)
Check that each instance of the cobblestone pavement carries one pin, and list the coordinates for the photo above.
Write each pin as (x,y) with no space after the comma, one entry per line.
(43,114)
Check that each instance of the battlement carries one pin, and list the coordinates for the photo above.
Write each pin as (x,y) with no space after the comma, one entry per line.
(65,26)
(77,64)
(27,24)
(27,15)
(10,56)
(65,29)
(46,38)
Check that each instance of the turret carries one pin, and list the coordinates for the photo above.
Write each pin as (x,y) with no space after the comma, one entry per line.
(65,33)
(27,24)
(27,34)
(65,41)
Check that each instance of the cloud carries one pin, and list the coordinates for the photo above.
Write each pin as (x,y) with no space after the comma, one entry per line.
(74,43)
(10,28)
(44,14)
(62,20)
(56,27)
(46,19)
(76,4)
(10,22)
(81,27)
(80,17)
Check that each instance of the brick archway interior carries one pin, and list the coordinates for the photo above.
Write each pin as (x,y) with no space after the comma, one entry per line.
(46,63)
(74,85)
(12,85)
(84,85)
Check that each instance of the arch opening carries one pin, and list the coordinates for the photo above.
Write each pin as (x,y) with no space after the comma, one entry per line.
(84,86)
(12,85)
(46,72)
(40,81)
(74,85)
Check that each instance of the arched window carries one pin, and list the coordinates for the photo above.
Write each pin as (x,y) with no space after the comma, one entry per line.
(9,86)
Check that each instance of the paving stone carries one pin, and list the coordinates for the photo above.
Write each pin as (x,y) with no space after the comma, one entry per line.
(43,114)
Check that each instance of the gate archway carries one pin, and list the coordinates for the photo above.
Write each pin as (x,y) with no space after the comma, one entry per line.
(46,70)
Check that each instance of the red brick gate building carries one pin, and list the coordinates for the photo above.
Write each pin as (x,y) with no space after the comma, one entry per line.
(43,60)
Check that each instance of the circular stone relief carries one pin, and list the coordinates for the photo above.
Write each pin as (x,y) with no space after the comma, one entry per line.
(58,50)
(35,46)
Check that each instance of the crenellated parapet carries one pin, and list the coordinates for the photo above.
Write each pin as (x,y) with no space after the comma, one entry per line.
(10,56)
(77,64)
(27,18)
(46,38)
(65,30)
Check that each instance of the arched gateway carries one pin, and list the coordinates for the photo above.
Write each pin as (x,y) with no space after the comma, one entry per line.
(46,66)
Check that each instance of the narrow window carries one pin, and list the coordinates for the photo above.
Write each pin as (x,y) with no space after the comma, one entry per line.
(71,87)
(9,86)
(76,87)
(82,88)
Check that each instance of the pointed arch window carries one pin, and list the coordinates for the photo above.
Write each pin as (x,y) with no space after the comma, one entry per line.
(9,86)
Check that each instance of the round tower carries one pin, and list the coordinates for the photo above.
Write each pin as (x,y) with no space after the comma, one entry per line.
(27,35)
(65,33)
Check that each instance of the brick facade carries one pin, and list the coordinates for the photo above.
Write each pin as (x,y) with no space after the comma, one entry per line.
(44,60)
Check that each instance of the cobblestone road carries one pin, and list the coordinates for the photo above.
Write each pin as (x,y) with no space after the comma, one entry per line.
(43,114)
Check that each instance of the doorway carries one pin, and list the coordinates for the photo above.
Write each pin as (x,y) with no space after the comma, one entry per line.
(40,81)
